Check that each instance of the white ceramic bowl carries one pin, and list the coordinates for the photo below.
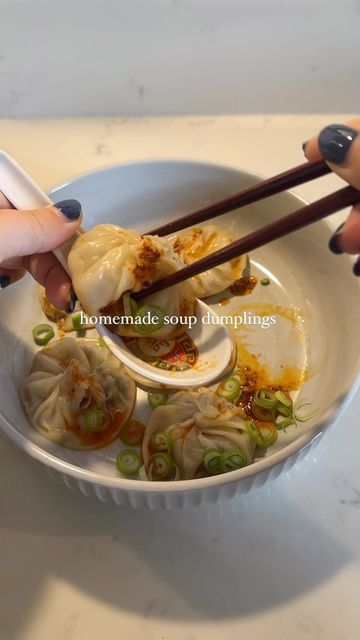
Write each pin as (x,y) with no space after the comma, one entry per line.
(317,286)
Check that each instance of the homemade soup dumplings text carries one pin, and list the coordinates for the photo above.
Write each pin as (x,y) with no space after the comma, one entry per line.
(150,319)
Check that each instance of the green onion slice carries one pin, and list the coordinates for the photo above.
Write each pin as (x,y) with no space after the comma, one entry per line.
(157,398)
(161,466)
(229,389)
(212,461)
(126,304)
(283,398)
(254,433)
(160,442)
(95,420)
(263,435)
(42,334)
(143,475)
(76,322)
(154,317)
(269,434)
(265,282)
(283,411)
(128,462)
(264,415)
(264,398)
(303,418)
(133,306)
(132,432)
(282,423)
(232,459)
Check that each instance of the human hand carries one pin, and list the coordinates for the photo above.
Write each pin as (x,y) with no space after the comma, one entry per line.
(26,241)
(339,145)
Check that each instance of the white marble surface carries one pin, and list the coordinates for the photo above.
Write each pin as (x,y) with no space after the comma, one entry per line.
(282,562)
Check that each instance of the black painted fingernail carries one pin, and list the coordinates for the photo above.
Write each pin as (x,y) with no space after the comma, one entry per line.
(335,142)
(334,241)
(71,302)
(304,146)
(356,267)
(4,281)
(71,209)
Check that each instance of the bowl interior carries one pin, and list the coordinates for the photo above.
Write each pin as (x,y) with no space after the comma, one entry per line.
(313,294)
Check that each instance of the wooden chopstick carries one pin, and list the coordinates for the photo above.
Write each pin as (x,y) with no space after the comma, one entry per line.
(277,229)
(281,182)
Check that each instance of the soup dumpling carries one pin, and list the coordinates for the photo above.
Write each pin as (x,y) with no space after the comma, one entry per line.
(194,421)
(108,261)
(77,394)
(198,242)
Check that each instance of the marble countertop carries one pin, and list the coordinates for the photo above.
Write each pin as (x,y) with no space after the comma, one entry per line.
(281,562)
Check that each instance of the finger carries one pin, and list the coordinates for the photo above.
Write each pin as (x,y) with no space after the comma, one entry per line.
(339,145)
(311,150)
(311,147)
(49,273)
(347,237)
(9,276)
(37,231)
(4,202)
(356,267)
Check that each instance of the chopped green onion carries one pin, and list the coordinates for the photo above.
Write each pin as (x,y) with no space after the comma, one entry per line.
(283,423)
(264,435)
(212,461)
(160,466)
(95,420)
(298,416)
(126,304)
(76,322)
(134,306)
(254,433)
(143,475)
(132,433)
(232,459)
(128,462)
(229,389)
(160,442)
(282,416)
(264,398)
(264,415)
(283,411)
(269,434)
(265,282)
(149,312)
(43,333)
(157,398)
(283,398)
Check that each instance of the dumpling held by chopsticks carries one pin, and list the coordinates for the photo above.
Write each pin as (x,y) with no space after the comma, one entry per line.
(196,243)
(108,263)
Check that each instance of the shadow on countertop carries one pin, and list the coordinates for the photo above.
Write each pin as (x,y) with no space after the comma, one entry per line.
(229,560)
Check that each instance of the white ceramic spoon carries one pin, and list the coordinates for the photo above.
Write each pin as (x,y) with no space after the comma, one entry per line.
(208,345)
